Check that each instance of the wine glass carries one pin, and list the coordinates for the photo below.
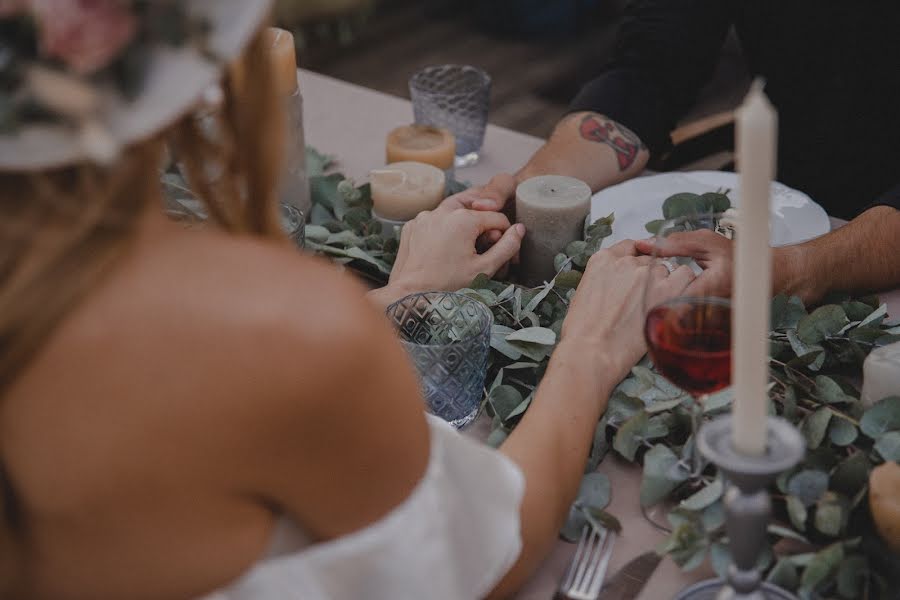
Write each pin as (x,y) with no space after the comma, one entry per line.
(689,337)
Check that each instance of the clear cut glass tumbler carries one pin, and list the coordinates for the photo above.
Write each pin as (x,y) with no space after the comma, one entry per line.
(447,336)
(456,97)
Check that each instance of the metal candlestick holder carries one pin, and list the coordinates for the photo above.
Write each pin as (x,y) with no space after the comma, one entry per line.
(748,507)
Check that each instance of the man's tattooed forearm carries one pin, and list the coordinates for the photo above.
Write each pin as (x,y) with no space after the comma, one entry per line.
(623,141)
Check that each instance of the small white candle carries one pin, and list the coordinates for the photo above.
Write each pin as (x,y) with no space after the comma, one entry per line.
(881,374)
(756,134)
(553,209)
(402,190)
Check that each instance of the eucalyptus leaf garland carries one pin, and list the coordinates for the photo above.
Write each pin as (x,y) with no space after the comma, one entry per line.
(825,543)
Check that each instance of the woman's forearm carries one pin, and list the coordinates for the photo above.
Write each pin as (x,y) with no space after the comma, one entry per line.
(551,445)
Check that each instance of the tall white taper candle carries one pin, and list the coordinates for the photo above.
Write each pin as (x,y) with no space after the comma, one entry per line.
(757,126)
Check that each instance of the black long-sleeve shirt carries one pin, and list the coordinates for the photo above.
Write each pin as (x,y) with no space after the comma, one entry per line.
(832,69)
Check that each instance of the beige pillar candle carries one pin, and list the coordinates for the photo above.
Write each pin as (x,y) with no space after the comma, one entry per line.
(294,183)
(553,209)
(421,143)
(881,374)
(402,190)
(284,59)
(757,125)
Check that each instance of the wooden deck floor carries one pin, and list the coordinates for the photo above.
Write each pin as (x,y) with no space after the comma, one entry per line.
(533,80)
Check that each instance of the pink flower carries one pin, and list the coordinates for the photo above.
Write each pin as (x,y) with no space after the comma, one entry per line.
(10,8)
(87,35)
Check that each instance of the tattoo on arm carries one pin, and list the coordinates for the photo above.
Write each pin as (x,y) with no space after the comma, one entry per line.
(623,141)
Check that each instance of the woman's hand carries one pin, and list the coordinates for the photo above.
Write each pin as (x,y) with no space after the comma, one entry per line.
(608,311)
(438,249)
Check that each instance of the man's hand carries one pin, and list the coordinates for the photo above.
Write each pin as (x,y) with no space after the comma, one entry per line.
(713,252)
(861,257)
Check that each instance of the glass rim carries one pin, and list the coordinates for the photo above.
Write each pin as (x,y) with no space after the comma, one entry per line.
(415,82)
(486,329)
(711,300)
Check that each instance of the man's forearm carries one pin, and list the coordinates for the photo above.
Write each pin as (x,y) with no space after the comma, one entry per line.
(862,256)
(592,148)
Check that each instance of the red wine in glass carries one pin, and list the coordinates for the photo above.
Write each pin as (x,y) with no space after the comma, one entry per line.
(690,343)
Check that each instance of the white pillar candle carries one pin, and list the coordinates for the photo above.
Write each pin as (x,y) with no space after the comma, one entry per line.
(757,125)
(402,190)
(881,374)
(553,209)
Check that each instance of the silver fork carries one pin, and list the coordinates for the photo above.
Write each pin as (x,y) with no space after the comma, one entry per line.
(587,571)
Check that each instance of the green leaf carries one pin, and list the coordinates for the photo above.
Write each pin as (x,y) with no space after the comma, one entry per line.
(598,231)
(663,405)
(842,432)
(622,407)
(497,437)
(882,417)
(534,335)
(720,558)
(797,512)
(831,515)
(787,312)
(852,474)
(593,496)
(504,400)
(705,497)
(569,279)
(576,248)
(594,491)
(628,438)
(661,475)
(784,575)
(888,446)
(814,427)
(718,401)
(785,532)
(808,486)
(316,162)
(317,234)
(653,227)
(715,202)
(599,447)
(829,391)
(813,354)
(856,310)
(876,317)
(522,407)
(680,205)
(499,343)
(822,323)
(822,566)
(852,576)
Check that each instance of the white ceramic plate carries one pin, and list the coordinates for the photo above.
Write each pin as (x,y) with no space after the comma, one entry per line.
(795,217)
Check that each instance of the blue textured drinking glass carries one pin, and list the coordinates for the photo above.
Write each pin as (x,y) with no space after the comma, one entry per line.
(447,337)
(456,97)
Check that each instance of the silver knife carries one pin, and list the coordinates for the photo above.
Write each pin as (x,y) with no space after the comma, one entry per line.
(628,581)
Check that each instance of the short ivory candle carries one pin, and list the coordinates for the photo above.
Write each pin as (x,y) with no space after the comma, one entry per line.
(402,190)
(553,209)
(881,374)
(757,124)
(422,143)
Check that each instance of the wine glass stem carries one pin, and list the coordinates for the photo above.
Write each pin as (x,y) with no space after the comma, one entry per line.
(696,422)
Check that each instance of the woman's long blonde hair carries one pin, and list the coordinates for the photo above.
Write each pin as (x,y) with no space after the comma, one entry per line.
(63,230)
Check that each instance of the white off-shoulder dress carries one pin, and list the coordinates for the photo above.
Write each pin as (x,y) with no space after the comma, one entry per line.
(453,538)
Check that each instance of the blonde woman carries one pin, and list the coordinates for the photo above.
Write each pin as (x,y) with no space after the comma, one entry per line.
(191,414)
